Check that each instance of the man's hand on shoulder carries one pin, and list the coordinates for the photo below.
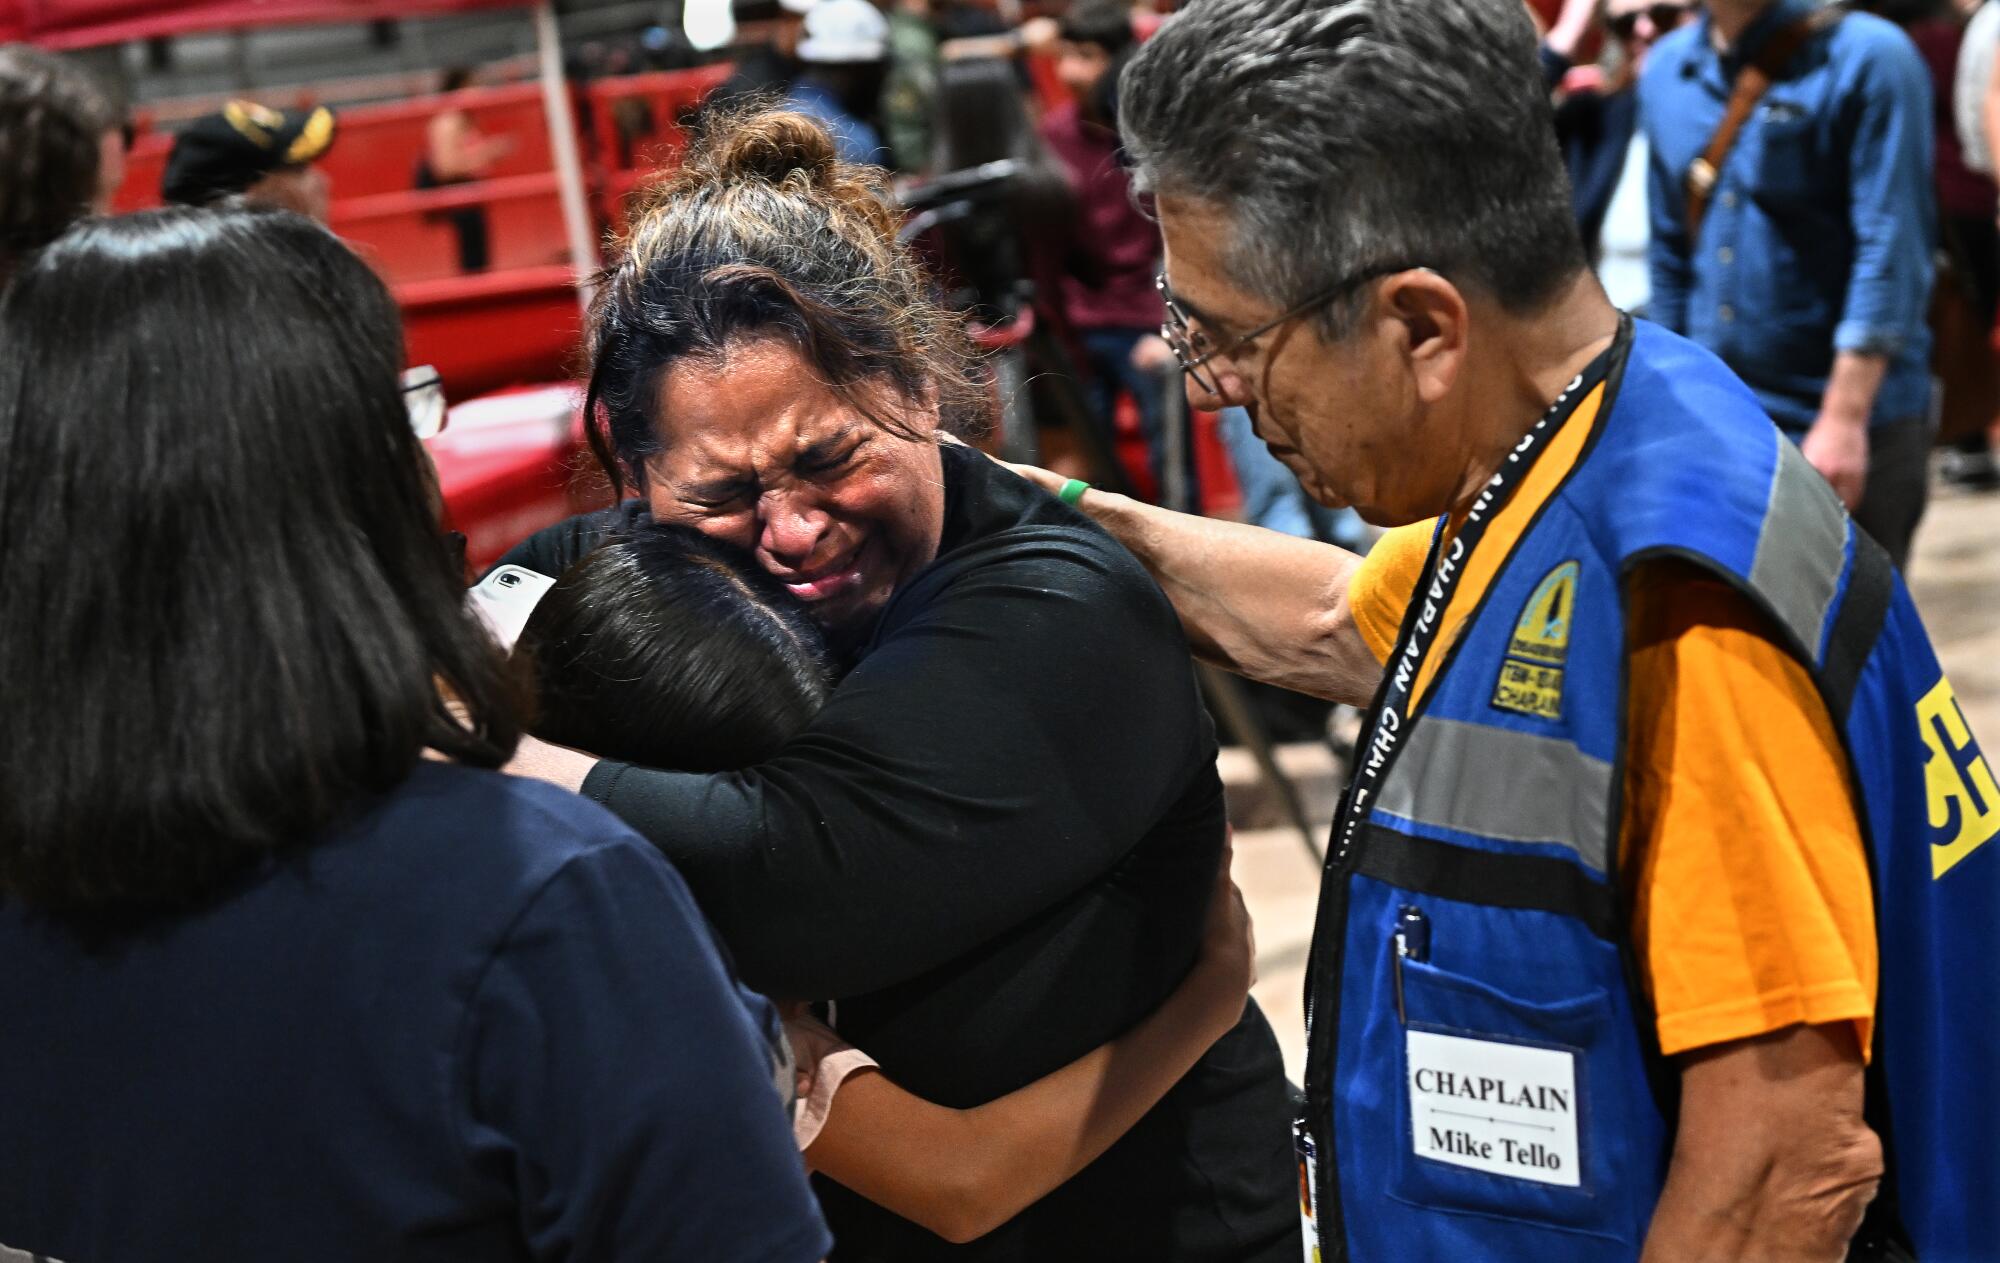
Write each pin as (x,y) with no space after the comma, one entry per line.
(1047,481)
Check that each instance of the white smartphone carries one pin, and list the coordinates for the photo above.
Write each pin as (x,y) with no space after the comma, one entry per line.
(504,599)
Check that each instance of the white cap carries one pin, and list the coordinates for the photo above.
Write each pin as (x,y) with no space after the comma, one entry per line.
(844,31)
(797,6)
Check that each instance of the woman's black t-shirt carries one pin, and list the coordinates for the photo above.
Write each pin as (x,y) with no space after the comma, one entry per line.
(994,847)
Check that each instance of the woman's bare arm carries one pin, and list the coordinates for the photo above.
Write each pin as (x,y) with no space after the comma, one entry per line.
(1262,604)
(963,1173)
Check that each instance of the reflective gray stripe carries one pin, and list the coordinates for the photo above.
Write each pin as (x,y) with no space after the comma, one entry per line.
(1801,548)
(1495,783)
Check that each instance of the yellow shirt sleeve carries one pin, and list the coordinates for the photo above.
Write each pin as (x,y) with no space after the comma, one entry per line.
(1381,589)
(1752,907)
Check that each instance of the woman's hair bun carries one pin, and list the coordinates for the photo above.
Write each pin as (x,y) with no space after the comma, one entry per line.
(762,145)
(772,145)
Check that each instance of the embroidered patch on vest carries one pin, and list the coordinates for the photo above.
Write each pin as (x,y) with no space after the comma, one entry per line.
(1531,677)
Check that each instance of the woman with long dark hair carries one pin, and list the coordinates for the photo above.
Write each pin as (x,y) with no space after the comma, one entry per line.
(996,842)
(277,984)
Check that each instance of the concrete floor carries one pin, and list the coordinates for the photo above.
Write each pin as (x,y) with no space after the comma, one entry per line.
(1955,574)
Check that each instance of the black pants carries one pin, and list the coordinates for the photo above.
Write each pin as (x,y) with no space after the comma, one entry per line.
(1973,243)
(469,224)
(1899,484)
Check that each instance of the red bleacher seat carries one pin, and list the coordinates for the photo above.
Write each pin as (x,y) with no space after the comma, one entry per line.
(145,163)
(409,237)
(379,146)
(493,330)
(636,129)
(511,463)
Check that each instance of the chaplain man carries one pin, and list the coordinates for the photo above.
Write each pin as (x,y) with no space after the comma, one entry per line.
(1664,816)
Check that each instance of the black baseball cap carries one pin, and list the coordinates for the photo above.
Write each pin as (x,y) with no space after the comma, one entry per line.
(220,155)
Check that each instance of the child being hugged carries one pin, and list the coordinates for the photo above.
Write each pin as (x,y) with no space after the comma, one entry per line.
(667,649)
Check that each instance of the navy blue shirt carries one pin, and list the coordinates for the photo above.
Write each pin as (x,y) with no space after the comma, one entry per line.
(481,1020)
(1818,234)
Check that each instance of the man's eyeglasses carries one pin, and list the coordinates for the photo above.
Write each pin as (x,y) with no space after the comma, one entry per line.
(423,395)
(1179,332)
(1665,17)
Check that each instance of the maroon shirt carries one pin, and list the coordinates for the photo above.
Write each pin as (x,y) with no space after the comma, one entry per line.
(1962,192)
(1119,247)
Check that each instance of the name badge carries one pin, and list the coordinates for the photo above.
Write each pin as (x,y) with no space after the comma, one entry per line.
(1506,1109)
(1308,1155)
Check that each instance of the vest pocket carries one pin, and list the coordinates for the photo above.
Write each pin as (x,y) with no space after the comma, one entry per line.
(1495,1103)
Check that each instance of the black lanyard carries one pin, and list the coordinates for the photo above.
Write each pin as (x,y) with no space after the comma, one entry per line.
(1388,726)
(1386,731)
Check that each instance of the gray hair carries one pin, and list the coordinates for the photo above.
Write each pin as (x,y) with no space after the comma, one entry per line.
(1355,134)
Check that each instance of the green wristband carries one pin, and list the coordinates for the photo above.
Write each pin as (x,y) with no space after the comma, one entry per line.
(1072,491)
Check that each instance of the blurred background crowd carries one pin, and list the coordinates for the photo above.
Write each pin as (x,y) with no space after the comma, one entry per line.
(485,159)
(482,157)
(1862,281)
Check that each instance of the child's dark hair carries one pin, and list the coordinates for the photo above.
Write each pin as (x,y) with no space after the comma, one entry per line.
(669,649)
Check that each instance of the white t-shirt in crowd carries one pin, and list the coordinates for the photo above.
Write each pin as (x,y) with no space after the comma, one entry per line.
(1627,230)
(1969,85)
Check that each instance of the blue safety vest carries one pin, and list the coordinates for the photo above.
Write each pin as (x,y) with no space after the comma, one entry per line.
(1482,1077)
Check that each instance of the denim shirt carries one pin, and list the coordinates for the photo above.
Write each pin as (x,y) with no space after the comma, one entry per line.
(1819,231)
(855,139)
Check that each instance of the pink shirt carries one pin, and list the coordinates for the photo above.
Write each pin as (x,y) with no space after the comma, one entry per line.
(823,1062)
